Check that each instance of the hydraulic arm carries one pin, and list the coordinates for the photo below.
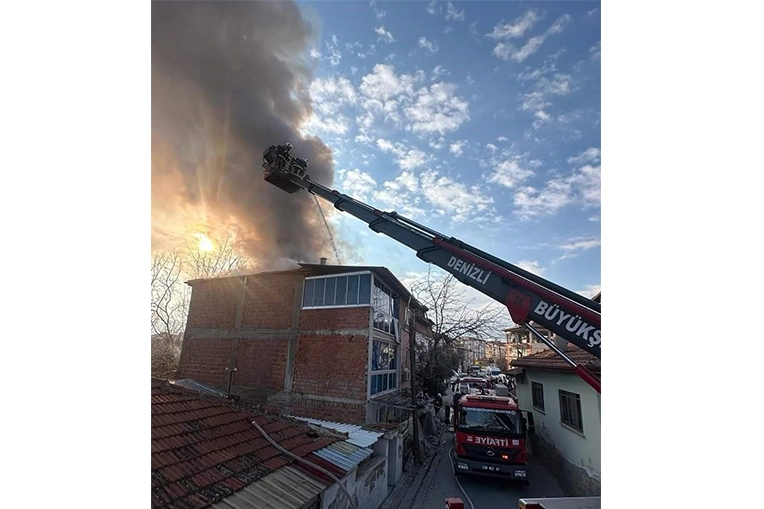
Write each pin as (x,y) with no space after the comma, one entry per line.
(528,297)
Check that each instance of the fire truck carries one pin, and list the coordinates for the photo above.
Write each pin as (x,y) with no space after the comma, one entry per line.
(489,438)
(530,299)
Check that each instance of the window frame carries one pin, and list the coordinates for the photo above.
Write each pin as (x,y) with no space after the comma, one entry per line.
(395,303)
(565,399)
(385,372)
(335,306)
(540,387)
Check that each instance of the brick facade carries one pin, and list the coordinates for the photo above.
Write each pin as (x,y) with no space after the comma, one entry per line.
(254,324)
(310,362)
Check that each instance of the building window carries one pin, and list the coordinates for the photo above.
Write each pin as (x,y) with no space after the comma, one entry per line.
(384,366)
(570,410)
(337,291)
(385,308)
(537,393)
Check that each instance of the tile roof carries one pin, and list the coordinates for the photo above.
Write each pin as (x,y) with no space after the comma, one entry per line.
(204,449)
(548,359)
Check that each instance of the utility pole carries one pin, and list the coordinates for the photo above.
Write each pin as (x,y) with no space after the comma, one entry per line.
(412,360)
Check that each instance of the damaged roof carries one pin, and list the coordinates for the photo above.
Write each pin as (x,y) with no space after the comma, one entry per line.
(204,449)
(548,359)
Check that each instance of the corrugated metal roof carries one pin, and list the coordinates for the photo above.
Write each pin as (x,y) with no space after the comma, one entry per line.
(356,435)
(196,386)
(344,455)
(286,488)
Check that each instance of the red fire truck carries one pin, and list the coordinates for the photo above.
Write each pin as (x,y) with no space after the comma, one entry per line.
(489,438)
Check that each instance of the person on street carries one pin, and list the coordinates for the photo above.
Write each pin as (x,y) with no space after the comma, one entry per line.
(455,404)
(448,401)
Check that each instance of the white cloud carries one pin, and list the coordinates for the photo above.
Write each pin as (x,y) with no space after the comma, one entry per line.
(502,138)
(537,100)
(493,148)
(334,125)
(428,45)
(438,144)
(406,158)
(595,51)
(353,69)
(581,187)
(453,198)
(514,29)
(507,51)
(457,148)
(531,266)
(378,13)
(382,84)
(438,71)
(510,170)
(314,53)
(574,247)
(357,183)
(437,109)
(384,35)
(330,94)
(590,291)
(590,155)
(453,14)
(402,194)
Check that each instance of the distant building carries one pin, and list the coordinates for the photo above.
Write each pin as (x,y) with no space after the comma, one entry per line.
(473,350)
(521,343)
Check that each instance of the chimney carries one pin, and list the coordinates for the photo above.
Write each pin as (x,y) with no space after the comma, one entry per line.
(323,261)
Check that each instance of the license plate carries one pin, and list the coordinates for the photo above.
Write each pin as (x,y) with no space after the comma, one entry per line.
(491,468)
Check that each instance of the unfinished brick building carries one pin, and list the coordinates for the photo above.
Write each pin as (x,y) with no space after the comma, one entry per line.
(321,341)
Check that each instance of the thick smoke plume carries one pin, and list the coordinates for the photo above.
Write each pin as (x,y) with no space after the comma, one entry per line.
(228,80)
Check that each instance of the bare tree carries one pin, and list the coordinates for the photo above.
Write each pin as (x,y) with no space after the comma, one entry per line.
(169,304)
(455,316)
(170,296)
(220,259)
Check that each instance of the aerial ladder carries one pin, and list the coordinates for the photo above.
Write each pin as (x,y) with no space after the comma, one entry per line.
(531,300)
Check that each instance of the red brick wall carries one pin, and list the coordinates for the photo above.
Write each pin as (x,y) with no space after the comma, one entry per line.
(213,304)
(331,365)
(335,318)
(261,363)
(269,300)
(327,363)
(205,360)
(329,411)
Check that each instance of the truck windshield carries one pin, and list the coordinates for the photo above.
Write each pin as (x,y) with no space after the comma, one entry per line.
(485,419)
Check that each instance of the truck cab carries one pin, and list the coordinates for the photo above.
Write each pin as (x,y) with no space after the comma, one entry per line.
(475,385)
(489,438)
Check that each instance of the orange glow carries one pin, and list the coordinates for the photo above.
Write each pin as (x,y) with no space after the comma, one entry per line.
(205,243)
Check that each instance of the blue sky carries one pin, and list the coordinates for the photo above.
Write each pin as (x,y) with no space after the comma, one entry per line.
(478,119)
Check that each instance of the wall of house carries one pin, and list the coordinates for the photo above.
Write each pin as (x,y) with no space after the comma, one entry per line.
(242,324)
(309,362)
(573,457)
(331,363)
(366,484)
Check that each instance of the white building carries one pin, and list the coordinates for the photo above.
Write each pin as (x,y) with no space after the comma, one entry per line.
(566,415)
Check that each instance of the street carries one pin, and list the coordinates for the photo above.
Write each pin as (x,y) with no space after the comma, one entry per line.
(484,492)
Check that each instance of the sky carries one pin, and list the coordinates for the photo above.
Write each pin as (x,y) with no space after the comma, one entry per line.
(478,119)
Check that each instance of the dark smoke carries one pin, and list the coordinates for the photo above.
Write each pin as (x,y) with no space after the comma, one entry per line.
(228,80)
